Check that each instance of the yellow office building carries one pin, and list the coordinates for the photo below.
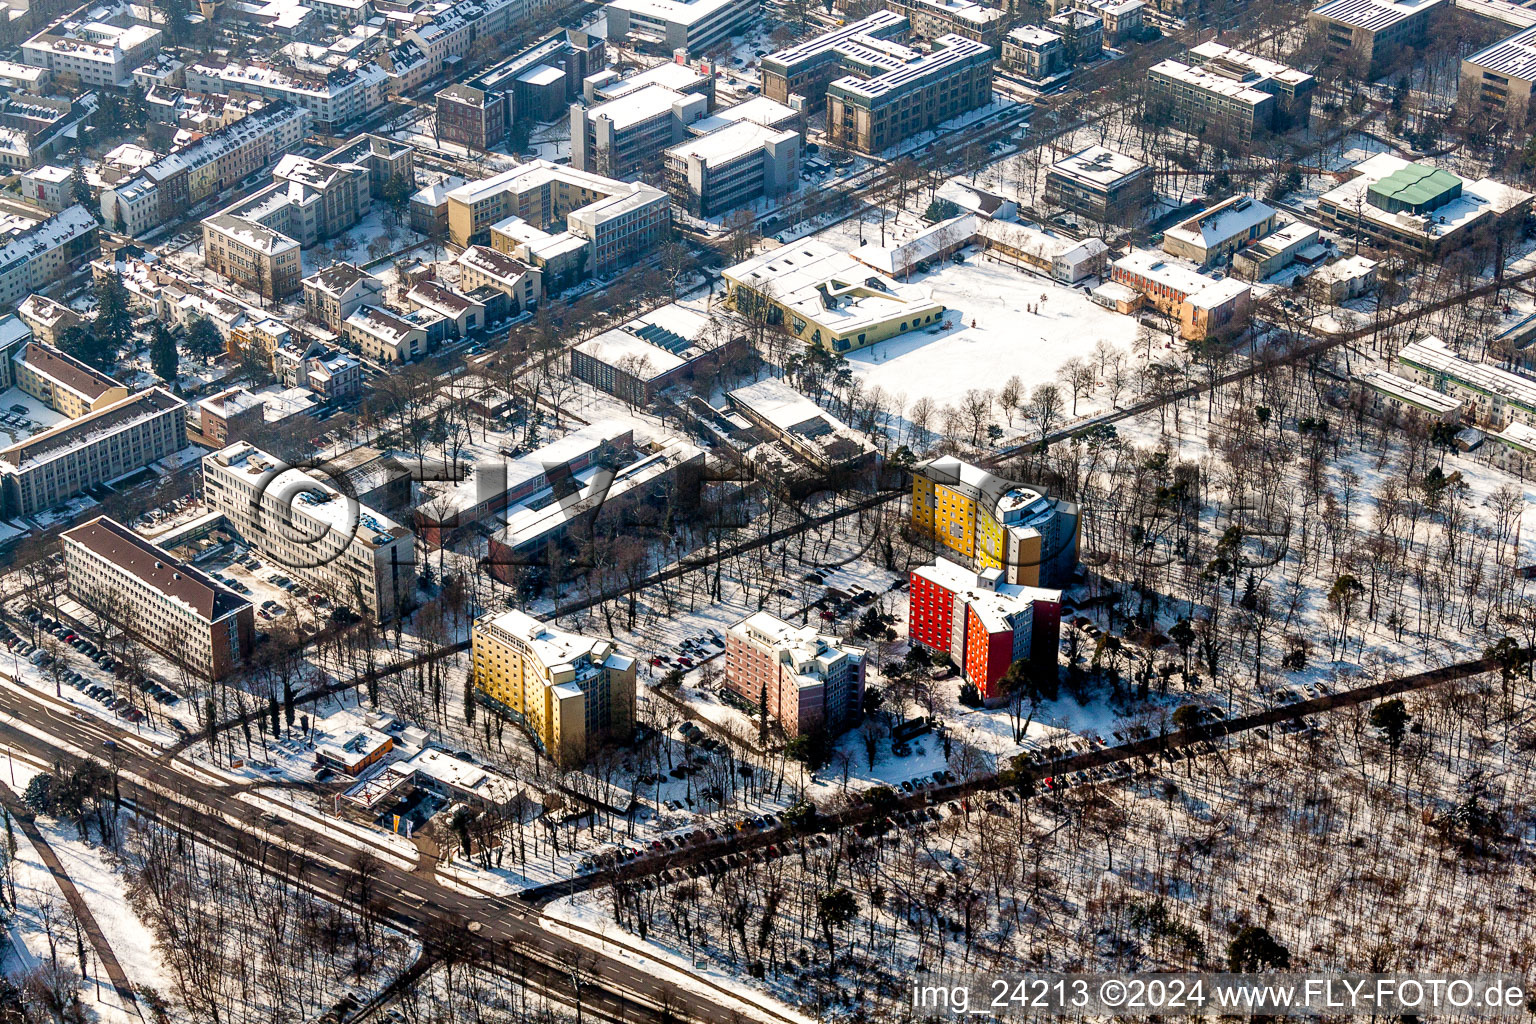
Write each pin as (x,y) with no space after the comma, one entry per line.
(572,692)
(994,523)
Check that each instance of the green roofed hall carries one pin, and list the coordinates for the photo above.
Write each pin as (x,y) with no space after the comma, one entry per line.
(1415,188)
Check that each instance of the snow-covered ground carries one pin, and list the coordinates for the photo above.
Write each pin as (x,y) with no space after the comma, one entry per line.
(1004,322)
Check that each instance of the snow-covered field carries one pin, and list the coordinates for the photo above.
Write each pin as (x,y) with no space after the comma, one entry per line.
(1005,323)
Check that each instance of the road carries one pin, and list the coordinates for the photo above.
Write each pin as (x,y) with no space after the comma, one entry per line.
(77,904)
(506,932)
(1145,751)
(501,931)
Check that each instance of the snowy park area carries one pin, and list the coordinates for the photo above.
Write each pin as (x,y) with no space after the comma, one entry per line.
(1004,322)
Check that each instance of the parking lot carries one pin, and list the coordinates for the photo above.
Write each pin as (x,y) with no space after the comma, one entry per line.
(114,686)
(276,595)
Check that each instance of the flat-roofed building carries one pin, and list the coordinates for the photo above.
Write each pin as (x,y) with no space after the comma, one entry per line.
(808,67)
(1291,88)
(1488,395)
(1372,30)
(335,97)
(826,297)
(1100,184)
(1387,396)
(1418,208)
(225,417)
(1513,450)
(97,53)
(732,166)
(654,351)
(1211,236)
(356,556)
(686,79)
(1202,103)
(49,186)
(805,680)
(46,469)
(1498,78)
(473,490)
(533,85)
(1277,250)
(827,443)
(171,606)
(625,137)
(664,474)
(893,92)
(573,693)
(995,523)
(1201,304)
(553,216)
(668,25)
(983,623)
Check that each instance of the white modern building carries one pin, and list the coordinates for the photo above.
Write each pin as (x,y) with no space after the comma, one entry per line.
(693,25)
(358,557)
(98,54)
(732,166)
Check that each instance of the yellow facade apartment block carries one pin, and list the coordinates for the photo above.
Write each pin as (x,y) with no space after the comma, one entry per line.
(993,523)
(572,692)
